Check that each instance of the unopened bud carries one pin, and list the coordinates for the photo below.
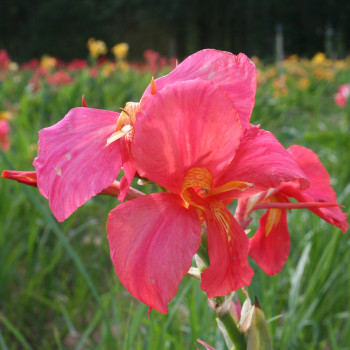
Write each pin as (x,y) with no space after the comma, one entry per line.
(258,337)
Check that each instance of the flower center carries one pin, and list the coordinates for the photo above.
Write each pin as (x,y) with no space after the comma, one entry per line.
(197,185)
(197,188)
(125,123)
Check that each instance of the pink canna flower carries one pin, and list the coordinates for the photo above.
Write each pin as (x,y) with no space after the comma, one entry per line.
(342,95)
(77,64)
(4,135)
(32,64)
(189,140)
(4,60)
(73,163)
(269,247)
(59,78)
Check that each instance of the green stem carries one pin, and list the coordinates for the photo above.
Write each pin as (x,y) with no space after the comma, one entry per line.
(234,334)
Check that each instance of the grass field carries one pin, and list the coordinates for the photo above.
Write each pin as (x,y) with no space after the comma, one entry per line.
(58,288)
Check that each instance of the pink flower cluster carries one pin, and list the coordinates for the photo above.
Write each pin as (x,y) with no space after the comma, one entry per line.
(4,135)
(191,135)
(342,95)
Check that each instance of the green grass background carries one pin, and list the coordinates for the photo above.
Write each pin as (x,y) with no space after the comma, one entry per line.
(58,289)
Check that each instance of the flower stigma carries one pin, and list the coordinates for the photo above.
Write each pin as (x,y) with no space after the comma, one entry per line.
(125,123)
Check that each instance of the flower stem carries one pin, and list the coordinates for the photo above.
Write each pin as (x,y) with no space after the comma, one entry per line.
(234,334)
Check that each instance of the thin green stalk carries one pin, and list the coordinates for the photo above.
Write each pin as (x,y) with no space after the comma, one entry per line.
(234,334)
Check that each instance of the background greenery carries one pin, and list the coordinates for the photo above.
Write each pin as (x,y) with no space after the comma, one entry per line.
(58,289)
(174,28)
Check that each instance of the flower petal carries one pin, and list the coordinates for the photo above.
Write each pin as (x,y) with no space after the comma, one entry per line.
(262,161)
(269,246)
(4,135)
(187,124)
(320,189)
(229,269)
(73,162)
(128,165)
(152,241)
(235,74)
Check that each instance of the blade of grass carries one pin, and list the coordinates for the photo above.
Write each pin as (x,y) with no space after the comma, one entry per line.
(136,320)
(2,342)
(18,335)
(59,233)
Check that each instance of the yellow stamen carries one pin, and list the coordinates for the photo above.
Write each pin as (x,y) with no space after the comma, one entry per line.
(125,122)
(196,179)
(128,115)
(232,185)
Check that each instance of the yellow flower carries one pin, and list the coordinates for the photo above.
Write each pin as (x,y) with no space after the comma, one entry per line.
(341,65)
(120,50)
(321,73)
(292,59)
(261,78)
(319,58)
(280,86)
(108,69)
(303,83)
(123,66)
(48,62)
(6,115)
(13,66)
(96,47)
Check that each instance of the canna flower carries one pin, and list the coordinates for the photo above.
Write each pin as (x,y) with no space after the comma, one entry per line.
(96,47)
(84,133)
(120,51)
(303,83)
(152,58)
(4,135)
(269,247)
(47,62)
(319,58)
(5,116)
(189,140)
(342,95)
(59,78)
(76,65)
(4,60)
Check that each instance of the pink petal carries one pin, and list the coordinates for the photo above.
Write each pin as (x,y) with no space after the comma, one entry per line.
(270,248)
(186,124)
(128,165)
(262,161)
(333,215)
(4,135)
(320,189)
(207,346)
(235,74)
(152,241)
(229,269)
(73,162)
